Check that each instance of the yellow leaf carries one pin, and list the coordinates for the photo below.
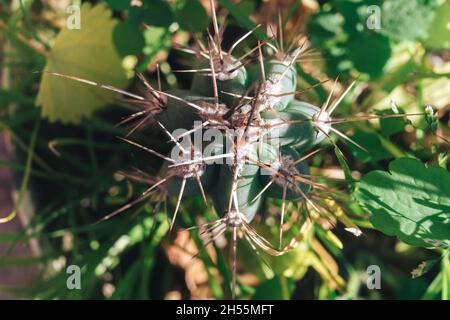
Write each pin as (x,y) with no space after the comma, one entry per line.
(86,53)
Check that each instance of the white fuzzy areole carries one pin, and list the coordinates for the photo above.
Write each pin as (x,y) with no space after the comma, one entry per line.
(322,120)
(272,88)
(234,218)
(227,70)
(286,169)
(189,170)
(244,150)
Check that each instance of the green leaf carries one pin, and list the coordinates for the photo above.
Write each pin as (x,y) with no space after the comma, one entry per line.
(434,288)
(407,19)
(277,288)
(135,16)
(355,13)
(344,165)
(391,126)
(86,53)
(192,16)
(119,5)
(9,96)
(339,29)
(241,18)
(443,159)
(369,52)
(326,24)
(439,30)
(247,7)
(371,142)
(156,40)
(411,201)
(128,40)
(158,13)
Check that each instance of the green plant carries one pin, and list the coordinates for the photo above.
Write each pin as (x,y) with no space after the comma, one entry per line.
(263,133)
(267,131)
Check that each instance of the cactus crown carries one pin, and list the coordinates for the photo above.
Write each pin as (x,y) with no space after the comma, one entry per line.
(262,133)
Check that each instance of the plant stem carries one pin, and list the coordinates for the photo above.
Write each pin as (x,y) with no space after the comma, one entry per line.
(30,44)
(445,275)
(24,185)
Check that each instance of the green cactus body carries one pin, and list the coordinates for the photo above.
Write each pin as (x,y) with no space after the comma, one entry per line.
(300,135)
(206,173)
(231,80)
(313,115)
(284,169)
(295,136)
(280,79)
(196,169)
(176,114)
(248,184)
(248,187)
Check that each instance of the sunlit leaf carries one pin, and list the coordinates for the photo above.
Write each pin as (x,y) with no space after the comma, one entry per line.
(344,164)
(391,126)
(436,92)
(86,53)
(411,201)
(439,30)
(407,19)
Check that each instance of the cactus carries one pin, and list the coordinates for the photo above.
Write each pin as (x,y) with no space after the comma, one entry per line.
(263,137)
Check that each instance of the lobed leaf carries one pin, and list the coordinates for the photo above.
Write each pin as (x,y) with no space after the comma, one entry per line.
(411,201)
(86,53)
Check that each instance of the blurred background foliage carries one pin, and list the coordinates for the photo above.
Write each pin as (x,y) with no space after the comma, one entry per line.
(64,155)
